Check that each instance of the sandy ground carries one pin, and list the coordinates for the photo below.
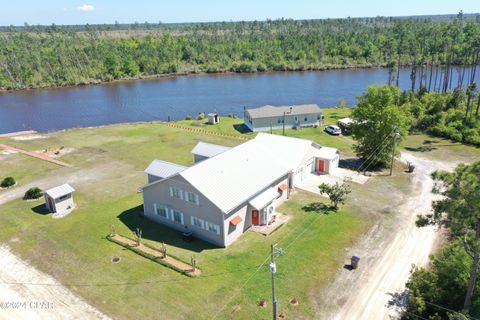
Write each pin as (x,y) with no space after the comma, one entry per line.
(50,300)
(377,289)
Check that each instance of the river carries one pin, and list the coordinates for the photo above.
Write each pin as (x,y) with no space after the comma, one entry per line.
(175,98)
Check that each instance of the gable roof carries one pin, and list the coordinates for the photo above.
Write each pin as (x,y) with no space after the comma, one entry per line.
(208,149)
(163,169)
(271,111)
(60,191)
(244,172)
(290,151)
(236,175)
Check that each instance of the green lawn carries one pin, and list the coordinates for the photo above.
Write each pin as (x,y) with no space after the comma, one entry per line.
(74,250)
(440,149)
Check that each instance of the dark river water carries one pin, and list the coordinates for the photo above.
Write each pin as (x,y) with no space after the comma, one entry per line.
(144,100)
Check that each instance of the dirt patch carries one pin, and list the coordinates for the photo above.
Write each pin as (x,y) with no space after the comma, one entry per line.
(28,137)
(56,152)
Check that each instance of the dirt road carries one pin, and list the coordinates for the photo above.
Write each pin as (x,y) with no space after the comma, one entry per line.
(48,301)
(377,289)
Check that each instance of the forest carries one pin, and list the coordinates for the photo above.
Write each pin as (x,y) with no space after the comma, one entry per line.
(39,56)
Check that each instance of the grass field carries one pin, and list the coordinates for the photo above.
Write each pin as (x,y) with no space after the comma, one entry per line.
(440,149)
(74,249)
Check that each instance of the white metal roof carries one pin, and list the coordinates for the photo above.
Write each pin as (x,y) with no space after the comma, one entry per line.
(163,169)
(241,173)
(289,150)
(208,149)
(236,175)
(60,191)
(264,198)
(345,121)
(326,153)
(272,111)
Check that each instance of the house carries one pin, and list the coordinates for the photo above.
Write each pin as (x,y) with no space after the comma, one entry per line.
(269,117)
(221,197)
(59,200)
(213,118)
(203,151)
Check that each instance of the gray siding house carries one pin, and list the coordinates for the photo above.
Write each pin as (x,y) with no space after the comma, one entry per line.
(221,197)
(271,117)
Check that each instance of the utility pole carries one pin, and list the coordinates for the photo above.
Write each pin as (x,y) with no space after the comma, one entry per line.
(273,270)
(396,136)
(284,113)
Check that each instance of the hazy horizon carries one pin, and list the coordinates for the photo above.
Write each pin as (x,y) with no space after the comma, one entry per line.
(76,12)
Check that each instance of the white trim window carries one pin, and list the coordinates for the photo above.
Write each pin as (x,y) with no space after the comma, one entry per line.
(197,222)
(215,228)
(191,197)
(176,193)
(161,211)
(177,216)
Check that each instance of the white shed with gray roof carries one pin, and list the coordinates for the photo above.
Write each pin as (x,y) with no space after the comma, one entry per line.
(270,117)
(59,200)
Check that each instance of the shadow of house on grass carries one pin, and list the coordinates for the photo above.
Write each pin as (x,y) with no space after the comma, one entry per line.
(133,218)
(41,209)
(242,128)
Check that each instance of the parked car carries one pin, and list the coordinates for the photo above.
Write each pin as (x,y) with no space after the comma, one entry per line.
(334,130)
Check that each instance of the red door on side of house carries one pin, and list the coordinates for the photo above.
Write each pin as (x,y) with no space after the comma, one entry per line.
(50,204)
(321,165)
(255,217)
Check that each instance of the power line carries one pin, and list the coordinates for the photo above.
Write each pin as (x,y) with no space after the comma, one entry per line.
(447,309)
(264,262)
(124,283)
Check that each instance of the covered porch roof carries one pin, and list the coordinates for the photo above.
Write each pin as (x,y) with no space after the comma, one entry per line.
(264,198)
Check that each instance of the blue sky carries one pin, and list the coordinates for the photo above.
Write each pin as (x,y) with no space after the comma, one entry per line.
(108,11)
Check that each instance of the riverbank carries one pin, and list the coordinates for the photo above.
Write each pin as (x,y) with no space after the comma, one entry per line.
(198,72)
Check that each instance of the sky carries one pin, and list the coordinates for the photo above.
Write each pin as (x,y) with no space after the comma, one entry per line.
(17,12)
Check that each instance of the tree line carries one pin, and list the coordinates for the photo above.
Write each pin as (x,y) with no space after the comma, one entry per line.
(434,49)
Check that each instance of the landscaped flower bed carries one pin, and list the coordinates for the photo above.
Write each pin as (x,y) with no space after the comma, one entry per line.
(156,255)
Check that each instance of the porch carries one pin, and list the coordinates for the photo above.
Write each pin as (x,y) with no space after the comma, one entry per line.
(277,221)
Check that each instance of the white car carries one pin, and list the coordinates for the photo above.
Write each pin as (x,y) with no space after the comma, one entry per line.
(334,130)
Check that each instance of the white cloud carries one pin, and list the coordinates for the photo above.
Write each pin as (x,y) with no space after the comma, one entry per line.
(65,9)
(86,8)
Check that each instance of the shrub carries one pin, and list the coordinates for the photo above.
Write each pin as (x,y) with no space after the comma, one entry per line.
(33,193)
(201,116)
(7,182)
(188,118)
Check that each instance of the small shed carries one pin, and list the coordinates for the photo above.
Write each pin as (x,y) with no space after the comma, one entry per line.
(59,200)
(213,118)
(345,124)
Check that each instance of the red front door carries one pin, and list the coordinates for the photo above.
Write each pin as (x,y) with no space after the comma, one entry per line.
(50,204)
(321,165)
(255,217)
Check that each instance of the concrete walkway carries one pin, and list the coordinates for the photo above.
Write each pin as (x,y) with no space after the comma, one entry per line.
(313,180)
(35,155)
